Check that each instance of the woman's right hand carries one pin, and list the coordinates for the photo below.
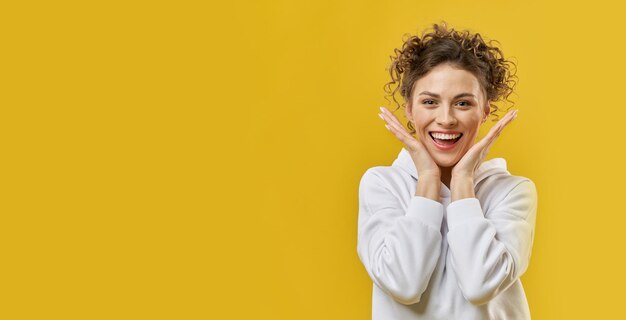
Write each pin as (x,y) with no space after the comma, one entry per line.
(424,163)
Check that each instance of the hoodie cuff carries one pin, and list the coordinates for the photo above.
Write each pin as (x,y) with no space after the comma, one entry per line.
(427,210)
(459,211)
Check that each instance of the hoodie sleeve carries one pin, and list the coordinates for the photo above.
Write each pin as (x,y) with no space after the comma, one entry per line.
(490,254)
(399,247)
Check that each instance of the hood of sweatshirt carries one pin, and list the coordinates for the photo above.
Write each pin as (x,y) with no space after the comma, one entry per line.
(486,169)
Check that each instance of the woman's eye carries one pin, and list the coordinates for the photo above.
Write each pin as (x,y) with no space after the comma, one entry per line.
(427,101)
(466,104)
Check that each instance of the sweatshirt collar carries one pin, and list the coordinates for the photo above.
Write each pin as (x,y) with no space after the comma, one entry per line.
(486,169)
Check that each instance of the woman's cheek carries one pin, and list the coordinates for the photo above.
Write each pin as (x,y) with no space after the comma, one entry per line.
(421,137)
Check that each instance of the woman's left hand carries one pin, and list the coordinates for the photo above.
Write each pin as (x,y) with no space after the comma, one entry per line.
(466,167)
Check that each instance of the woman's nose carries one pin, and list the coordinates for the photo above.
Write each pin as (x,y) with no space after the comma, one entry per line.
(446,118)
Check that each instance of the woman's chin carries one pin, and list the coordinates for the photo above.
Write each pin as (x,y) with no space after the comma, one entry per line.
(446,162)
(444,158)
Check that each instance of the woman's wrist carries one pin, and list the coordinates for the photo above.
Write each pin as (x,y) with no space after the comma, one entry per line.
(428,186)
(461,187)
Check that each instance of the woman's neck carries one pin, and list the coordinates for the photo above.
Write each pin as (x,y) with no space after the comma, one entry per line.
(446,175)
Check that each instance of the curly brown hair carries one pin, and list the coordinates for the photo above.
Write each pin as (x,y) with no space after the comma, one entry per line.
(462,49)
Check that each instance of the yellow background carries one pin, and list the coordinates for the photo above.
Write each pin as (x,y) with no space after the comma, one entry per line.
(201,160)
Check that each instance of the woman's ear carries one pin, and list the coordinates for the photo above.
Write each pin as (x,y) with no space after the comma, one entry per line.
(407,112)
(486,112)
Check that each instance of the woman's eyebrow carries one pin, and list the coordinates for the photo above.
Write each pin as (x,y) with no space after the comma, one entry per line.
(464,94)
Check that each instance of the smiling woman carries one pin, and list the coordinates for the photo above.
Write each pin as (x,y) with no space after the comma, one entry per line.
(442,233)
(448,104)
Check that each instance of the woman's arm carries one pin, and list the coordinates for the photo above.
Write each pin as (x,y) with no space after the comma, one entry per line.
(489,254)
(399,247)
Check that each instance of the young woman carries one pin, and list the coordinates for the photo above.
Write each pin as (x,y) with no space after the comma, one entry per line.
(442,233)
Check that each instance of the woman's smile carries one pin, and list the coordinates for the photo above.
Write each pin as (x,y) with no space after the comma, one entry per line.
(445,140)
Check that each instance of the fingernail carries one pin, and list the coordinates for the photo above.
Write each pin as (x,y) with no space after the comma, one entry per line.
(381,116)
(381,109)
(386,126)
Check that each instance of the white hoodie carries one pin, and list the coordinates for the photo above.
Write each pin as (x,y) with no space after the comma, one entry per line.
(441,260)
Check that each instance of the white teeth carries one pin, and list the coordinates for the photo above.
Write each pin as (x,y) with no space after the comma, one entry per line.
(444,136)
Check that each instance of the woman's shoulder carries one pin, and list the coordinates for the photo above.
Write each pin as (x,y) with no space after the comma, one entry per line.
(508,179)
(388,180)
(497,182)
(495,172)
(386,174)
(505,187)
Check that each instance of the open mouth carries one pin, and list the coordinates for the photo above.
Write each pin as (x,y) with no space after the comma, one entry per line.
(445,140)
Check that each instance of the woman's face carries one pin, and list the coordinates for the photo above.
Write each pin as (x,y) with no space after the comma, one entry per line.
(447,100)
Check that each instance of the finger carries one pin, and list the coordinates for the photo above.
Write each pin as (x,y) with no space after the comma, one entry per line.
(503,122)
(390,115)
(507,119)
(396,125)
(401,135)
(496,130)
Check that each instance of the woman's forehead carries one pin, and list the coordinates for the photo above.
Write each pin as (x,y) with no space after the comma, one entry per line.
(448,81)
